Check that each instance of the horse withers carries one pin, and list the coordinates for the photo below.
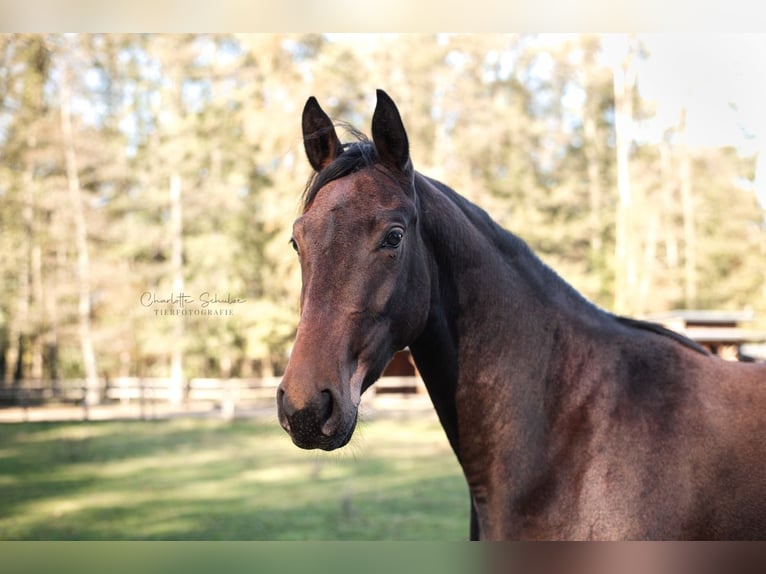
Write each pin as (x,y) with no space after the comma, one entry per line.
(568,422)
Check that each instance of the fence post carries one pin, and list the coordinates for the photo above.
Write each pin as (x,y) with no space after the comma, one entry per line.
(141,398)
(24,405)
(85,405)
(228,405)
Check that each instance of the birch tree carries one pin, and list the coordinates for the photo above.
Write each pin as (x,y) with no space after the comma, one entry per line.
(83,268)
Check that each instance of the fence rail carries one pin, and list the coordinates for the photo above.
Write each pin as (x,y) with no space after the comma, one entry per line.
(148,397)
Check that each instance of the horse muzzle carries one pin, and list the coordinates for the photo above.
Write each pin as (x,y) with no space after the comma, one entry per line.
(320,421)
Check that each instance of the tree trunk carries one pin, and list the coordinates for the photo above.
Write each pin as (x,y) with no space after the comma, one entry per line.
(760,192)
(51,340)
(626,276)
(92,391)
(18,336)
(176,262)
(592,148)
(690,233)
(39,322)
(649,266)
(668,185)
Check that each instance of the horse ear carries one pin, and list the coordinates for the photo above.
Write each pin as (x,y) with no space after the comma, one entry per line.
(388,134)
(319,137)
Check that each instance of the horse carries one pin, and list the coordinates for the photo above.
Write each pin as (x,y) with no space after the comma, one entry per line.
(569,422)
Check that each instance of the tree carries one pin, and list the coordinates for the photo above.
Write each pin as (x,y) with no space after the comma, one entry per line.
(166,163)
(626,252)
(83,269)
(25,162)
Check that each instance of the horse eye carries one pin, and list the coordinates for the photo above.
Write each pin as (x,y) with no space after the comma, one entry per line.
(294,244)
(393,238)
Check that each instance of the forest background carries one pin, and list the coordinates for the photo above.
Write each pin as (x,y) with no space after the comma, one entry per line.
(148,183)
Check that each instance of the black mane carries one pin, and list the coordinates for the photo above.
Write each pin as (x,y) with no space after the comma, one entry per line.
(361,154)
(664,331)
(513,246)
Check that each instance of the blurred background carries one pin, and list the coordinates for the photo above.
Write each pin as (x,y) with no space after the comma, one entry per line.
(135,167)
(148,184)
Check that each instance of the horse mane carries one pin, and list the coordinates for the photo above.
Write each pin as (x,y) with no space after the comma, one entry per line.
(513,246)
(361,154)
(660,330)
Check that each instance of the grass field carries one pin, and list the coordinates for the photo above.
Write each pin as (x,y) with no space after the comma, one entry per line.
(202,479)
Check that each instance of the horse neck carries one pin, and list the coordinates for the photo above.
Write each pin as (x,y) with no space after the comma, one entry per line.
(496,308)
(474,259)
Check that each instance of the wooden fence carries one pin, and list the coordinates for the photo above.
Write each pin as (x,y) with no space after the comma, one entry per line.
(152,397)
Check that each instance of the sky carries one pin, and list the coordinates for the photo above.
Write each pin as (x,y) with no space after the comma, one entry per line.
(720,79)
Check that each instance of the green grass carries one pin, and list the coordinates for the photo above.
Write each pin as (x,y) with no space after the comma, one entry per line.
(192,479)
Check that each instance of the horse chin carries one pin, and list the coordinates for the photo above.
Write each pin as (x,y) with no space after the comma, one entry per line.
(342,439)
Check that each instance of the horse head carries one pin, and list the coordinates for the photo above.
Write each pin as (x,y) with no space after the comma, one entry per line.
(365,288)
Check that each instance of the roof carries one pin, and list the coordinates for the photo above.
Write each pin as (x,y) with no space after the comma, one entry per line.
(757,352)
(704,316)
(723,335)
(711,326)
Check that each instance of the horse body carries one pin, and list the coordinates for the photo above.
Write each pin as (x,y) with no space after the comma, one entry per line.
(568,422)
(603,428)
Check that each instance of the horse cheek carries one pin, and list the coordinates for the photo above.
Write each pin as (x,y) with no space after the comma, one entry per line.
(410,306)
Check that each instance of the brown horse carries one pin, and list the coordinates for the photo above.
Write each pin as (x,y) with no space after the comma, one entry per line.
(569,422)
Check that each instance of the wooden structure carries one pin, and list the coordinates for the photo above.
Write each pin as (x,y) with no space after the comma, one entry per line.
(721,332)
(400,376)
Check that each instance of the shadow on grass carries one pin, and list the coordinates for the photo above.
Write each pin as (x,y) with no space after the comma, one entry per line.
(395,513)
(39,459)
(193,479)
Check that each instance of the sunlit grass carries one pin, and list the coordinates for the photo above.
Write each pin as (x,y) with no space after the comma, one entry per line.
(243,480)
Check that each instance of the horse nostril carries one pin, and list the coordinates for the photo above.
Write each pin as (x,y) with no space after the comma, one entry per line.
(319,416)
(329,413)
(285,404)
(325,406)
(284,409)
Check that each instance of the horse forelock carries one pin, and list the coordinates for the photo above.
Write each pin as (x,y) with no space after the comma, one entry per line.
(356,156)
